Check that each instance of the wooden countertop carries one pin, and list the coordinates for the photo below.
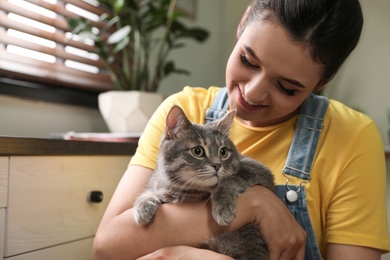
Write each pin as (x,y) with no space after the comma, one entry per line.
(41,146)
(37,146)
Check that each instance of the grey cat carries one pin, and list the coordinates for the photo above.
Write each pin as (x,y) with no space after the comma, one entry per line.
(199,163)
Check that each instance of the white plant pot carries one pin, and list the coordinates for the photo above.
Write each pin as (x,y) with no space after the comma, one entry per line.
(128,111)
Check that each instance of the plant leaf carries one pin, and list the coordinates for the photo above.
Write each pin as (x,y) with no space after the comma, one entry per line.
(179,30)
(121,44)
(118,5)
(198,34)
(171,68)
(110,23)
(119,35)
(78,25)
(86,35)
(103,17)
(177,45)
(125,40)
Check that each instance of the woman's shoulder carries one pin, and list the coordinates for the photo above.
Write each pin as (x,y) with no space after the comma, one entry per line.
(344,121)
(197,94)
(194,101)
(342,114)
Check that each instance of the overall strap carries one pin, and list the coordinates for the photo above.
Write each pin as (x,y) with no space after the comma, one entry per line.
(305,140)
(299,160)
(309,125)
(219,107)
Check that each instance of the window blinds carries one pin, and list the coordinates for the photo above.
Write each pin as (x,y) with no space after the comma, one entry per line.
(35,44)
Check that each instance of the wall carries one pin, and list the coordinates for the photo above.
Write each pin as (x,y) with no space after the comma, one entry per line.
(206,61)
(27,118)
(364,80)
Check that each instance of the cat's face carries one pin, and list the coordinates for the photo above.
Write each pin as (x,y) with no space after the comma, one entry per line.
(198,156)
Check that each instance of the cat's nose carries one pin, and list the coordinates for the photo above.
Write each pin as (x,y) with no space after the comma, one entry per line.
(216,166)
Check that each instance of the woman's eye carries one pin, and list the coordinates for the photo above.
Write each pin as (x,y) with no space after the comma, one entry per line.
(288,92)
(197,151)
(244,60)
(223,152)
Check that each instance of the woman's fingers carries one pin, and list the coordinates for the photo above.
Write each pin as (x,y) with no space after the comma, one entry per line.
(284,237)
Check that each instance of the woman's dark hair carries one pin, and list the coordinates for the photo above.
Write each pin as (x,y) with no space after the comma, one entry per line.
(330,28)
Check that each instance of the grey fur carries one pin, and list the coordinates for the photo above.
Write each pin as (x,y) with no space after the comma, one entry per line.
(200,162)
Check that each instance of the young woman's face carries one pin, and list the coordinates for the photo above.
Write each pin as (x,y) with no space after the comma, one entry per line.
(268,75)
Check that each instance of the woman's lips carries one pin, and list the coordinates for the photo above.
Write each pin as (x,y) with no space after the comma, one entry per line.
(246,103)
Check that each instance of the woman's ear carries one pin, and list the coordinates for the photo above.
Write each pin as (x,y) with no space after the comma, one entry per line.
(320,86)
(242,24)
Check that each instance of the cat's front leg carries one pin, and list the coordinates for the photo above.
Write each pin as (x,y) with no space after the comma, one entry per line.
(145,207)
(223,205)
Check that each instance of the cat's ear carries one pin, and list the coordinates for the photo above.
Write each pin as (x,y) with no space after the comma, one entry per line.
(225,123)
(175,122)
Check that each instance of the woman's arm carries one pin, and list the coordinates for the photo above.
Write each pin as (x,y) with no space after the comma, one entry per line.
(119,237)
(285,235)
(184,252)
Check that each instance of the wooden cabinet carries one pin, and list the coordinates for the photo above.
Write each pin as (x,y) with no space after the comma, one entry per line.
(78,250)
(3,200)
(45,209)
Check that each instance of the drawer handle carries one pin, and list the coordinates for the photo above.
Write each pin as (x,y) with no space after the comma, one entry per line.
(95,196)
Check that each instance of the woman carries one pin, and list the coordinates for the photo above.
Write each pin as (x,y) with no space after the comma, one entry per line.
(285,51)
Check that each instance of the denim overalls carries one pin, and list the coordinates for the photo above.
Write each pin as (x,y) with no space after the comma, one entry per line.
(299,159)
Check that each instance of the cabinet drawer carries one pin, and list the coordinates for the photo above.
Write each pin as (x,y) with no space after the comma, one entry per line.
(48,198)
(79,250)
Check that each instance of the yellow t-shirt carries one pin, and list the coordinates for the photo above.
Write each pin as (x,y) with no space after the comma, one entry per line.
(347,193)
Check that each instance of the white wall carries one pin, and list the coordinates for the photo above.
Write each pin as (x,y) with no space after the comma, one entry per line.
(364,80)
(27,118)
(206,62)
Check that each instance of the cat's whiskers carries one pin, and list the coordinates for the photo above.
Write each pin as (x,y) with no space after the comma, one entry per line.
(205,174)
(185,185)
(206,201)
(182,189)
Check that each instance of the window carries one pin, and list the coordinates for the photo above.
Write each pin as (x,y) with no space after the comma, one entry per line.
(35,44)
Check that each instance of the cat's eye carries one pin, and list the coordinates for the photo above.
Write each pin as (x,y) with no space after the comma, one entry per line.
(223,152)
(197,151)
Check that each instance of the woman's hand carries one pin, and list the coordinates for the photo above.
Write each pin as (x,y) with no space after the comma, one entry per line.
(283,235)
(184,252)
(119,237)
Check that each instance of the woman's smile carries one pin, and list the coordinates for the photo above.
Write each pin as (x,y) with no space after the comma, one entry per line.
(267,80)
(248,104)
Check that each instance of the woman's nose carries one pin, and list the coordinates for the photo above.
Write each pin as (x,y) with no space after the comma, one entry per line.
(257,90)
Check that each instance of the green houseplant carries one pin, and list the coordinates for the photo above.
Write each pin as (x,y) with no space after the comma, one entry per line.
(134,38)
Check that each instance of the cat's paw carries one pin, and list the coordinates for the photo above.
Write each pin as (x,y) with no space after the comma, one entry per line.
(145,209)
(223,213)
